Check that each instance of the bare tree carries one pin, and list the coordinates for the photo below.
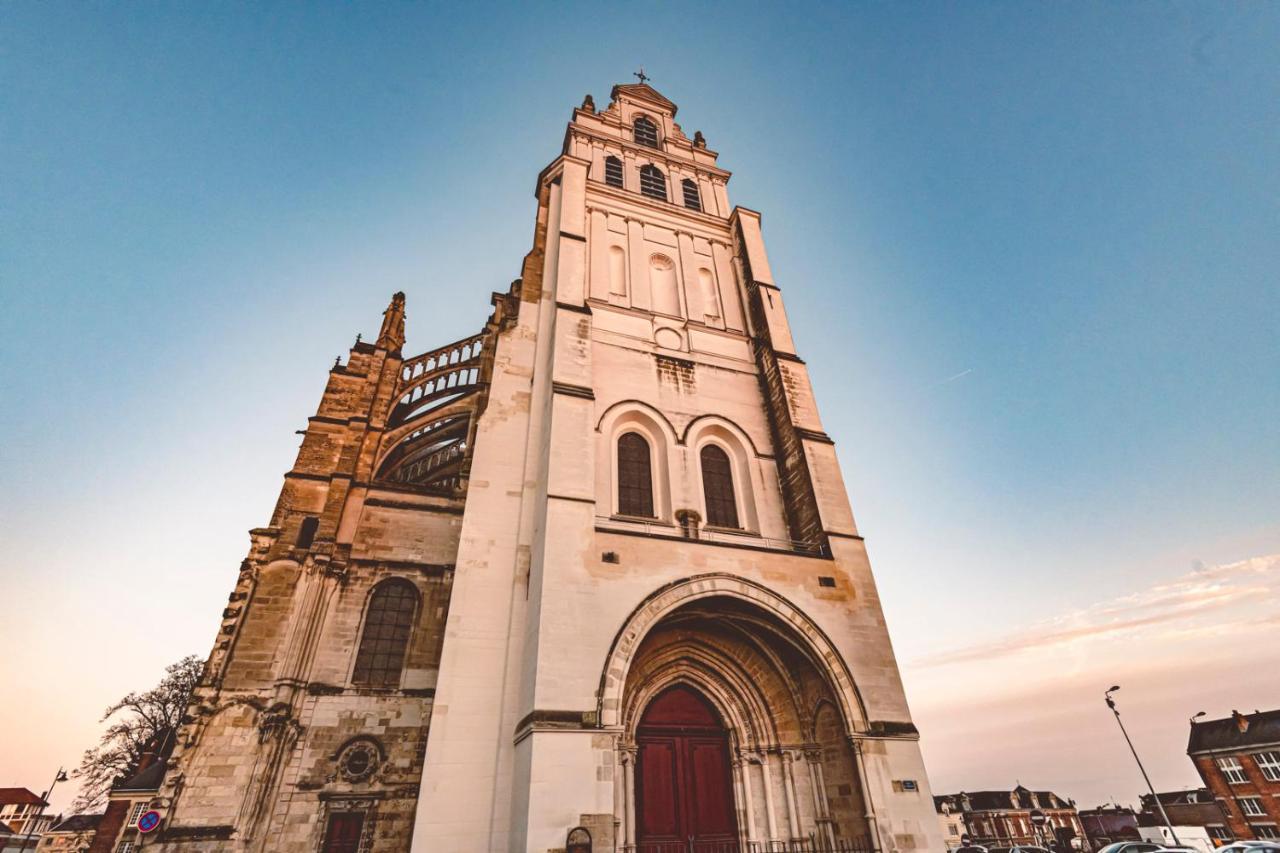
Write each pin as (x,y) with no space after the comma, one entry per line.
(138,718)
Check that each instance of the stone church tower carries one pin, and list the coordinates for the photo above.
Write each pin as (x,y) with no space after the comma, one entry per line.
(589,577)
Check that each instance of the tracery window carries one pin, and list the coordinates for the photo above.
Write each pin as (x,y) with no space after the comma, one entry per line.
(717,487)
(635,476)
(692,200)
(385,639)
(652,182)
(646,132)
(613,171)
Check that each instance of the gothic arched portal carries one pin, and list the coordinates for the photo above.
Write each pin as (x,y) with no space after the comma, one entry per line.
(723,681)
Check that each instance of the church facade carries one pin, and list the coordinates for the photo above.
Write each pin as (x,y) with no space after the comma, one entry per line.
(587,580)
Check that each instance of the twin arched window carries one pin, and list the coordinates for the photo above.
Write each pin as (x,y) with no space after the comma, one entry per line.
(646,132)
(385,639)
(613,171)
(635,481)
(692,200)
(652,182)
(635,476)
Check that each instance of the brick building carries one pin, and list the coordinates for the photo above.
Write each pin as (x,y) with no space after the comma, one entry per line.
(593,565)
(1003,818)
(1238,757)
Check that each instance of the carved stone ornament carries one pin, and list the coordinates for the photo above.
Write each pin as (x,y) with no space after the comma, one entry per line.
(359,760)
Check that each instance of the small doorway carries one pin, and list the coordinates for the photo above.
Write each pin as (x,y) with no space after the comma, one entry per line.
(343,833)
(684,787)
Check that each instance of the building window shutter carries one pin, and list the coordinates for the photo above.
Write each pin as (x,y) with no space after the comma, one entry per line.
(717,486)
(635,476)
(385,638)
(613,171)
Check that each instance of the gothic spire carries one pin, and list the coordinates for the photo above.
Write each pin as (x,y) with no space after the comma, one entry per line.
(391,337)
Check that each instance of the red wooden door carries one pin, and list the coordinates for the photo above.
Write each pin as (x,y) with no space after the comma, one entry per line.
(343,835)
(684,789)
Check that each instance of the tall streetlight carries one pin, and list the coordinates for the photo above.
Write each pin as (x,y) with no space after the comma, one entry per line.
(1111,703)
(61,776)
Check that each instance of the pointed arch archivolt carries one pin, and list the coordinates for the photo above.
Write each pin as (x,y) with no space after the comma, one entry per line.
(616,709)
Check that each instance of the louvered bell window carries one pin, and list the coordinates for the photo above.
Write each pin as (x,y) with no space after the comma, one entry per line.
(653,183)
(646,132)
(613,171)
(692,200)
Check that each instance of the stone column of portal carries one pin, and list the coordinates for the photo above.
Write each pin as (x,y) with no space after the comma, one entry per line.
(789,783)
(813,758)
(769,813)
(629,794)
(735,776)
(743,766)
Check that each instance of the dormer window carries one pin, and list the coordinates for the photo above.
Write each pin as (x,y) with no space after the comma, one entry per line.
(652,182)
(691,198)
(613,171)
(646,132)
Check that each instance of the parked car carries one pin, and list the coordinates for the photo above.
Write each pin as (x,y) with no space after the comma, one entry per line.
(1021,848)
(1248,847)
(1131,847)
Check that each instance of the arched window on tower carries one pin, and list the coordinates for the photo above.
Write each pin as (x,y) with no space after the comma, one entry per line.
(652,182)
(635,476)
(717,487)
(646,132)
(613,171)
(385,638)
(692,200)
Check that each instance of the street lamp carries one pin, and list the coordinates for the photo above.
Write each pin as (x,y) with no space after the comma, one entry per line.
(61,776)
(1197,715)
(1111,703)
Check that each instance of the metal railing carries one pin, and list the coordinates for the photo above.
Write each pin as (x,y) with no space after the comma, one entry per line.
(812,844)
(705,534)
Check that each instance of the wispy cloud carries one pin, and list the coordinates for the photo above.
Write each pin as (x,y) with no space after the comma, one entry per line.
(956,376)
(1182,603)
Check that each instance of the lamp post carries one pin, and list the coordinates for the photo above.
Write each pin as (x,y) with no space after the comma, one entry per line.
(60,776)
(1111,703)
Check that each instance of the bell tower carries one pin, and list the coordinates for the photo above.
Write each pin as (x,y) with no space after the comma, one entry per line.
(656,524)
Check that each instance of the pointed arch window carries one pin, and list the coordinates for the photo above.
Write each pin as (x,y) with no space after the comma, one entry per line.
(613,171)
(384,641)
(692,199)
(652,182)
(717,487)
(635,476)
(646,132)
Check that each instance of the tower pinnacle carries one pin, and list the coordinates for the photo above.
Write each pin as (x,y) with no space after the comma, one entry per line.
(391,337)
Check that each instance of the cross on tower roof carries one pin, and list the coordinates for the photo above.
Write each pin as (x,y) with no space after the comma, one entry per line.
(643,77)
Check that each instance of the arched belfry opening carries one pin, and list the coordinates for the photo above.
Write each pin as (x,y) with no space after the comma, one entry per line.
(734,736)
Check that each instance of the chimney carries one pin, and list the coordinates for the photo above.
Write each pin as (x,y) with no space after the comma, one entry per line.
(1242,722)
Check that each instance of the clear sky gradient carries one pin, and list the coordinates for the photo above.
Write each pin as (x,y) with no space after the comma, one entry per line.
(1030,253)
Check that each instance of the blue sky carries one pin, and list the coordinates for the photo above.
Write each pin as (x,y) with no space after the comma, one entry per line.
(1029,250)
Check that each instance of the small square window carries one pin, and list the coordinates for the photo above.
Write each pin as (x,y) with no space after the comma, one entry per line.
(1252,806)
(1232,770)
(826,581)
(1269,764)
